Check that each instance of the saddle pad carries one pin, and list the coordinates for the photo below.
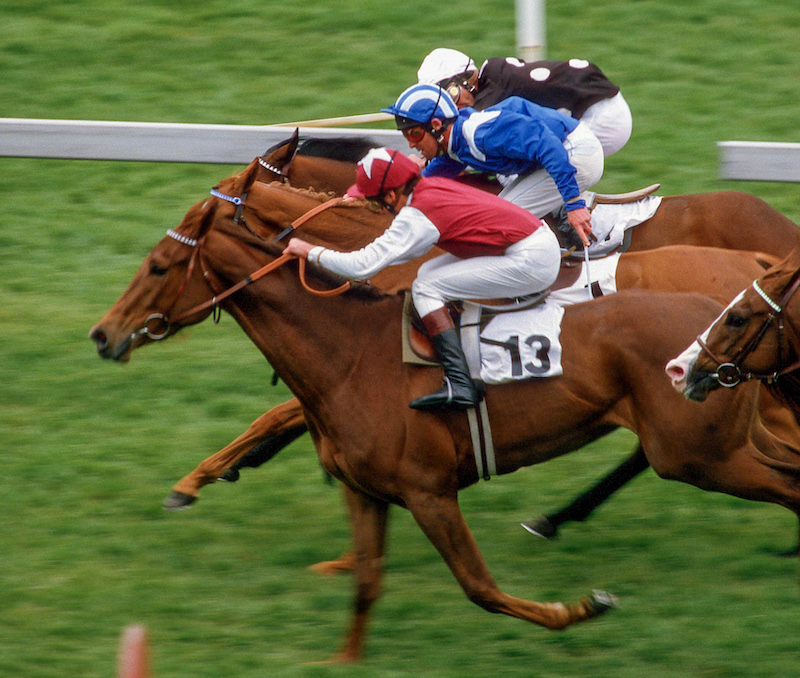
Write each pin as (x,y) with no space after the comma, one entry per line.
(522,344)
(602,276)
(525,344)
(609,222)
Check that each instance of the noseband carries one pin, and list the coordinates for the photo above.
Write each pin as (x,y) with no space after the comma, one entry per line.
(164,318)
(729,373)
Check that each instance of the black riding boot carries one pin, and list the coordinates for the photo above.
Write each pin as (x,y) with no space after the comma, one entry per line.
(459,391)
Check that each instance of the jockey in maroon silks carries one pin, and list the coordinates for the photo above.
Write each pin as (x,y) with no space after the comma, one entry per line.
(494,249)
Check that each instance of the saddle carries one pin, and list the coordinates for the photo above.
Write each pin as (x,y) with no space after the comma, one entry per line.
(568,239)
(417,346)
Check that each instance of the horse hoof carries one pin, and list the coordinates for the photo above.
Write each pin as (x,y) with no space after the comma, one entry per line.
(541,527)
(230,476)
(602,601)
(178,500)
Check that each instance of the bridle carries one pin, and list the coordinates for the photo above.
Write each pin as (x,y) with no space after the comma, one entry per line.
(166,320)
(729,373)
(281,172)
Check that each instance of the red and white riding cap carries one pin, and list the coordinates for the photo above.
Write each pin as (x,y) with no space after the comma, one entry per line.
(381,170)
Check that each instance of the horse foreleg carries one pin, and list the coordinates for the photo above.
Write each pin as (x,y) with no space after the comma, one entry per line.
(444,525)
(582,506)
(345,562)
(280,419)
(369,517)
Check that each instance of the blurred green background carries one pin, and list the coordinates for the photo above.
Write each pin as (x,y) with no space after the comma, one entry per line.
(90,449)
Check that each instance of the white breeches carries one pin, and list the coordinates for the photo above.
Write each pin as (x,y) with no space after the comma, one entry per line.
(611,122)
(528,266)
(538,193)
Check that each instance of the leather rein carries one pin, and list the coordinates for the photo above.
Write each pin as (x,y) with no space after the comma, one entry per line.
(166,321)
(729,373)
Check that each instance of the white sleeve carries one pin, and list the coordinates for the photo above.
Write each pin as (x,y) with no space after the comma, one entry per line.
(410,235)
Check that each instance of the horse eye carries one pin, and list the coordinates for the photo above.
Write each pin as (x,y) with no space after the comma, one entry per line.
(735,321)
(155,269)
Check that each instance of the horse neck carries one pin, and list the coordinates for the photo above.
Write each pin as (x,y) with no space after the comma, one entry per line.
(312,342)
(322,174)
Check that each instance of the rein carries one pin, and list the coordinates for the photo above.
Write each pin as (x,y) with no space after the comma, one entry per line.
(213,303)
(729,373)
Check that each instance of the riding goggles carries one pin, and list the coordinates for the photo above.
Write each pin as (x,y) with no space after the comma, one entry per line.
(415,134)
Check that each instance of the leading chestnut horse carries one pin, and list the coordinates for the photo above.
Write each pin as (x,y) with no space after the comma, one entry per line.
(677,268)
(728,219)
(341,356)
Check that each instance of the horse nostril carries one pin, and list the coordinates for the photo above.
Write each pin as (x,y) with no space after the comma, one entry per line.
(675,371)
(99,337)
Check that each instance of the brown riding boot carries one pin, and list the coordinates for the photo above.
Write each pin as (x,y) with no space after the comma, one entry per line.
(458,391)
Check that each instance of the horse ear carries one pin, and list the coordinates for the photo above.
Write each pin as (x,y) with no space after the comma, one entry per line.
(291,147)
(248,177)
(285,150)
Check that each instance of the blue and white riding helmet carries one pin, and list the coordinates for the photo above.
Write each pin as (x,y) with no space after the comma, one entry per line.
(421,103)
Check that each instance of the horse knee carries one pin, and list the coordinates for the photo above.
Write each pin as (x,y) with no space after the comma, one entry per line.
(367,592)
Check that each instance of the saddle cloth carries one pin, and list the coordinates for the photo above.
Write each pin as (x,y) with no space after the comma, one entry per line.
(611,221)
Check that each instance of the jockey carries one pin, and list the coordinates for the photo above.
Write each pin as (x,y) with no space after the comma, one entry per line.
(542,157)
(575,87)
(494,249)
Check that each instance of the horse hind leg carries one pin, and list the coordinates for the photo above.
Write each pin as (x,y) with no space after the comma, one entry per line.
(582,506)
(283,418)
(442,522)
(369,517)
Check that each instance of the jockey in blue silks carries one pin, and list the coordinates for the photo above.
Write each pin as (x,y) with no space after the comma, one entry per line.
(542,157)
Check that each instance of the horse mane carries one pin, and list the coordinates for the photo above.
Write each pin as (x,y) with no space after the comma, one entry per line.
(322,196)
(359,290)
(346,149)
(363,291)
(786,390)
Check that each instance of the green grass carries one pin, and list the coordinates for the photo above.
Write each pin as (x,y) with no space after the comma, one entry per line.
(90,449)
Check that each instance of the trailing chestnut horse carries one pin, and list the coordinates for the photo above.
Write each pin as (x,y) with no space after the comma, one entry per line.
(341,356)
(755,338)
(726,219)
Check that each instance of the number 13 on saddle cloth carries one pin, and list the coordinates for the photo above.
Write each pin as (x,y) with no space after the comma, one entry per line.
(523,344)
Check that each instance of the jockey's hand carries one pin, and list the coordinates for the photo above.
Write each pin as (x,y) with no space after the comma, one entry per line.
(298,248)
(581,221)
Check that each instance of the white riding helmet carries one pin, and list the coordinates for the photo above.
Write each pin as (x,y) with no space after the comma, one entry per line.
(442,64)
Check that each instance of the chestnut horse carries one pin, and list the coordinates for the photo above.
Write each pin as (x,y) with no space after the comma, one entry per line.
(341,356)
(677,268)
(725,219)
(755,338)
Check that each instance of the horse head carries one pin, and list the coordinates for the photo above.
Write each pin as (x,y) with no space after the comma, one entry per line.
(169,282)
(753,338)
(276,161)
(325,165)
(218,249)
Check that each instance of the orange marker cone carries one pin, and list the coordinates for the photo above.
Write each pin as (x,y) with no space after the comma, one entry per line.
(134,660)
